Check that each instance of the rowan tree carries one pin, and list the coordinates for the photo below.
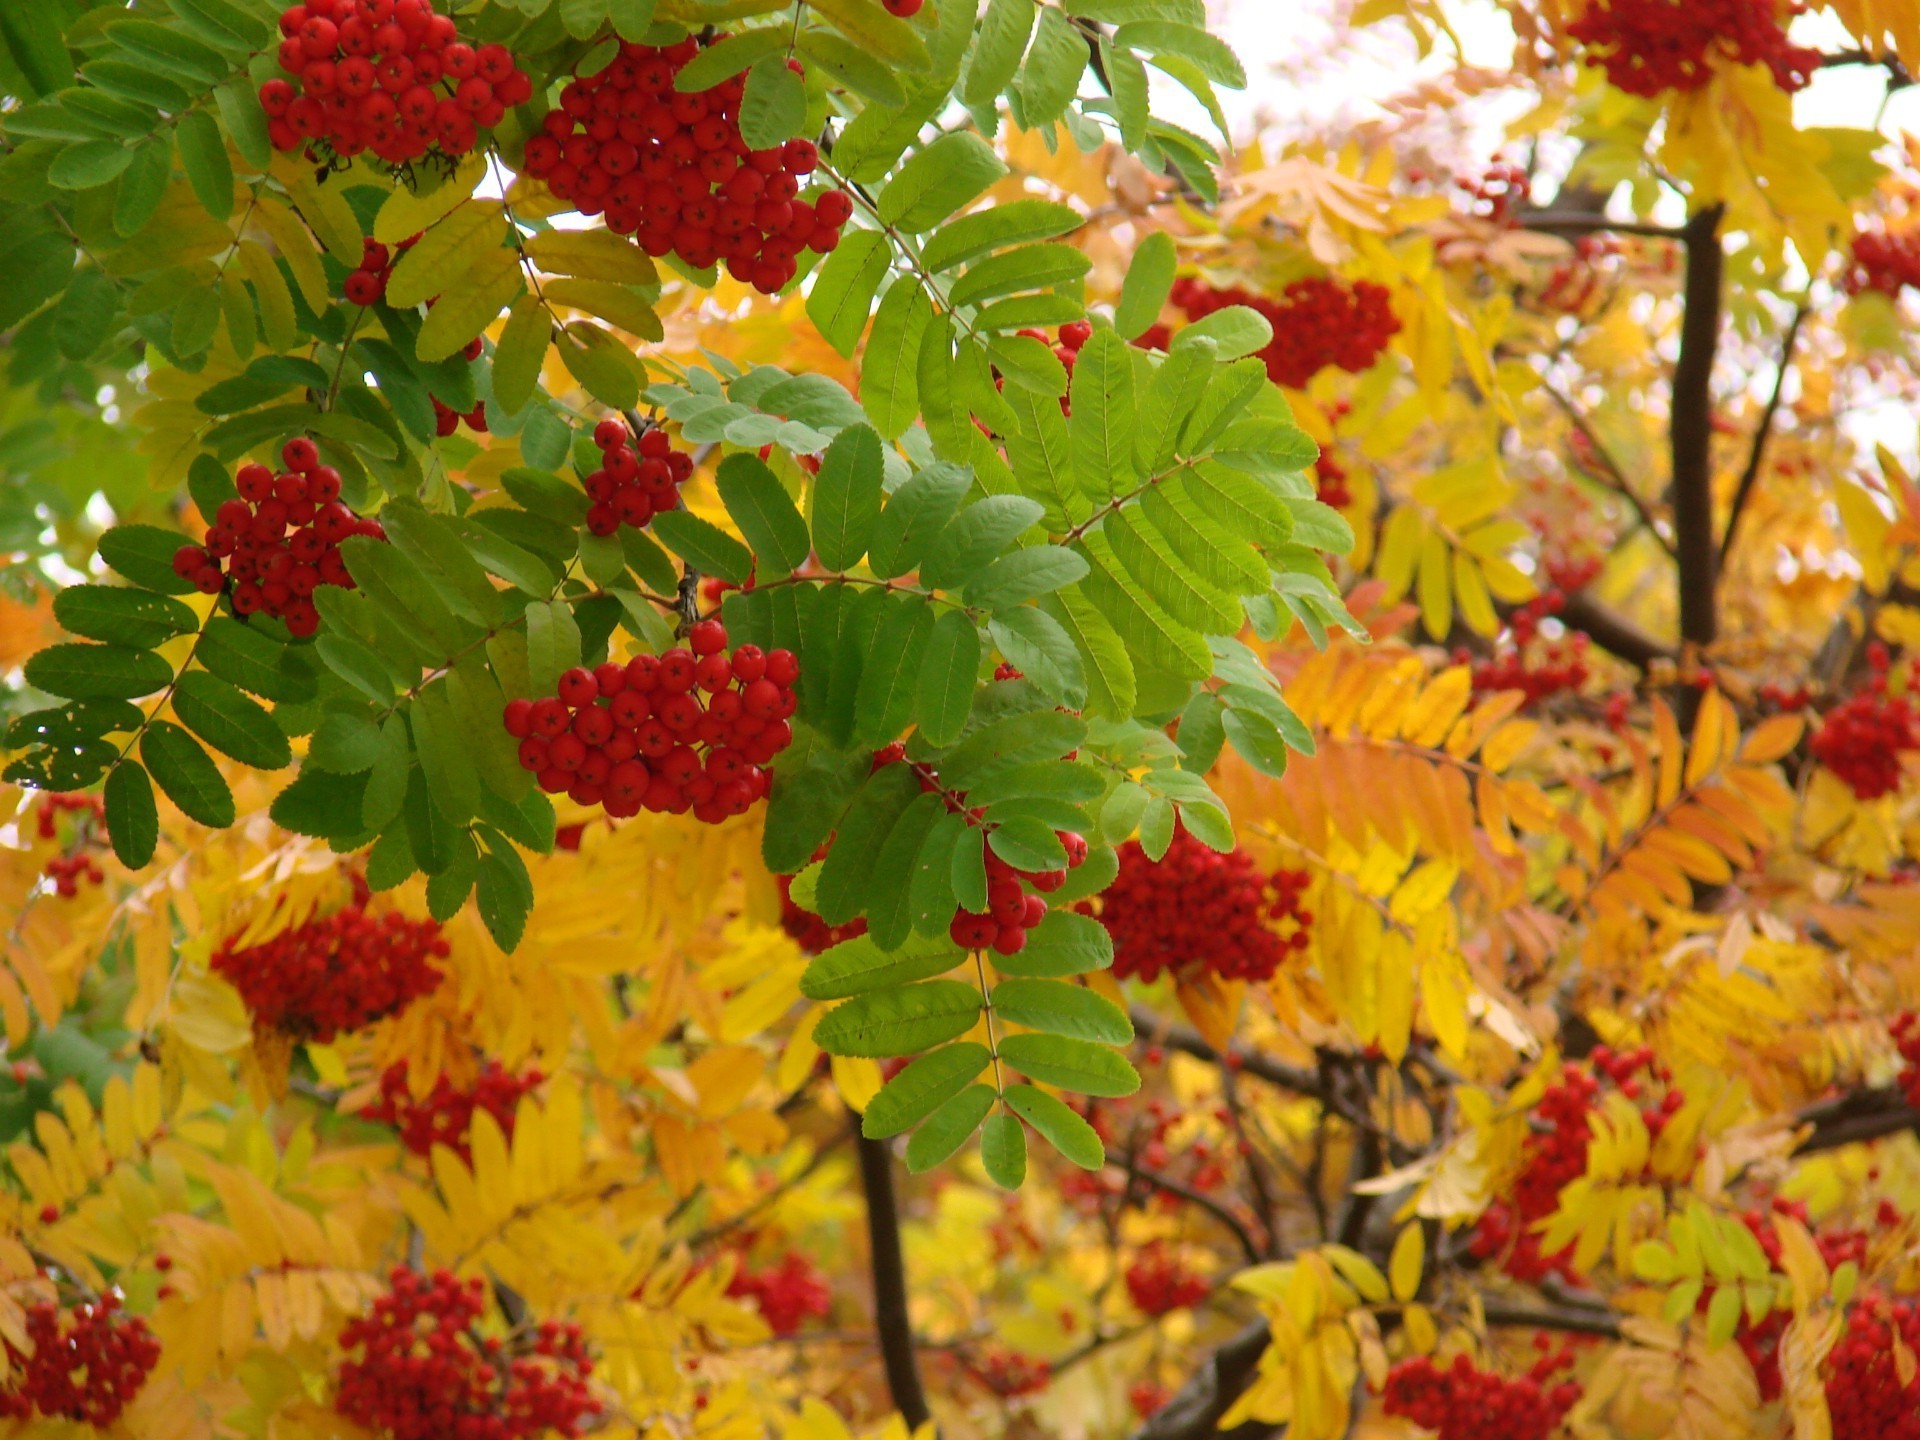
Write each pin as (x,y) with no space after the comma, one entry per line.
(786,717)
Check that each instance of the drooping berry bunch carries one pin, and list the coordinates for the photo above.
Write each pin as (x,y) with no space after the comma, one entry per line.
(1460,1401)
(1012,909)
(87,1363)
(1761,1341)
(637,478)
(272,547)
(1906,1036)
(1647,46)
(67,872)
(337,973)
(1159,1282)
(1556,1155)
(785,1293)
(1862,739)
(1195,909)
(1538,665)
(1497,192)
(366,283)
(673,170)
(426,1372)
(812,934)
(1010,1373)
(1866,1396)
(445,1115)
(693,729)
(1884,261)
(1320,321)
(389,78)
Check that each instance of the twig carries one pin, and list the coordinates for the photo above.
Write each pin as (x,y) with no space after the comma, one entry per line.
(1187,1040)
(1578,223)
(892,1330)
(1254,1253)
(1757,454)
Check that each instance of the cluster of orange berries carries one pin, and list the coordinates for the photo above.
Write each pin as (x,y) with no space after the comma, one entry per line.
(445,1115)
(1321,321)
(785,1293)
(1862,739)
(66,873)
(1650,46)
(1884,262)
(1868,1396)
(425,1372)
(1158,1283)
(86,1364)
(1195,909)
(637,478)
(336,973)
(693,729)
(278,541)
(1906,1036)
(1460,1401)
(390,78)
(1538,666)
(1498,192)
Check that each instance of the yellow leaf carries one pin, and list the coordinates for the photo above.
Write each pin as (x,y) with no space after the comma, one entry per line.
(1408,1259)
(209,1014)
(406,213)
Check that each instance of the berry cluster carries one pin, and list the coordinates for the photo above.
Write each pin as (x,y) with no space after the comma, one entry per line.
(1862,739)
(324,977)
(86,1369)
(1009,1373)
(1147,1397)
(693,729)
(1647,46)
(279,541)
(1012,910)
(1572,286)
(67,872)
(785,1293)
(425,1372)
(1463,1402)
(1497,193)
(637,479)
(388,78)
(672,169)
(1866,1395)
(1761,1342)
(1158,1283)
(1196,909)
(445,1116)
(1556,1155)
(366,283)
(1320,321)
(1906,1036)
(1538,666)
(1884,262)
(812,934)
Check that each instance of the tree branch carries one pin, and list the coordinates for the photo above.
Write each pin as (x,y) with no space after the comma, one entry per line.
(1195,1410)
(1690,430)
(1577,1322)
(1757,454)
(1251,1247)
(1556,222)
(1611,631)
(891,1328)
(1158,1030)
(1862,1115)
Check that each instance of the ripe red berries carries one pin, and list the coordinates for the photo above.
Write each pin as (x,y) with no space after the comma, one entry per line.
(1158,1282)
(785,1294)
(905,9)
(279,541)
(445,1115)
(1537,665)
(673,170)
(425,1371)
(1195,909)
(1464,1402)
(637,478)
(327,976)
(1884,262)
(1862,739)
(672,732)
(1647,46)
(389,78)
(86,1370)
(1322,320)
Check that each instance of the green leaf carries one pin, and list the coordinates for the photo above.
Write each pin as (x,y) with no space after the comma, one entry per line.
(446,759)
(773,110)
(144,554)
(553,645)
(921,1088)
(1014,223)
(323,804)
(1028,844)
(220,714)
(97,672)
(975,536)
(916,513)
(122,616)
(388,777)
(949,673)
(254,661)
(133,821)
(631,18)
(859,967)
(1210,55)
(889,371)
(1064,943)
(851,67)
(1003,1150)
(143,186)
(347,743)
(1030,267)
(1209,824)
(69,724)
(1051,76)
(1059,1124)
(949,1127)
(447,890)
(187,774)
(1101,426)
(890,913)
(875,31)
(37,268)
(1025,575)
(1158,570)
(846,878)
(1059,1008)
(203,155)
(1077,1065)
(1001,41)
(1037,645)
(518,356)
(85,315)
(727,58)
(951,172)
(1257,740)
(469,303)
(504,895)
(766,515)
(32,37)
(704,545)
(844,288)
(846,497)
(902,1021)
(88,164)
(1015,740)
(1236,329)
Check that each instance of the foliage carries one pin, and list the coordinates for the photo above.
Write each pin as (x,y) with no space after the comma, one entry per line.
(570,706)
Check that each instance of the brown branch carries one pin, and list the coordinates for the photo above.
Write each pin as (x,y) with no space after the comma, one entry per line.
(1555,222)
(1577,1322)
(1160,1031)
(1250,1246)
(1690,431)
(1195,1410)
(1862,1115)
(892,1331)
(1615,478)
(1756,455)
(1611,631)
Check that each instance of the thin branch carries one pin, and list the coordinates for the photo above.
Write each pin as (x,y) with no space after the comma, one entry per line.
(1862,1115)
(1184,1038)
(892,1330)
(1757,454)
(1615,478)
(1577,1322)
(1556,223)
(1690,430)
(1611,631)
(1254,1251)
